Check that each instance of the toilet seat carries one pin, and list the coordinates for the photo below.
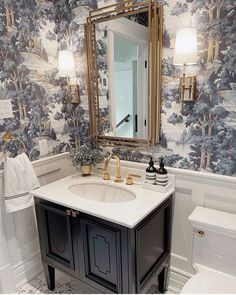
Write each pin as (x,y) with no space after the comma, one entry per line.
(210,281)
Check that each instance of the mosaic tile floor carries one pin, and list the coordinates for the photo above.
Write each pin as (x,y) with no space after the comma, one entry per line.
(64,285)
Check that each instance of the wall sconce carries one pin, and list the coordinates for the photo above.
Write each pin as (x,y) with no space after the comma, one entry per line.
(186,54)
(66,68)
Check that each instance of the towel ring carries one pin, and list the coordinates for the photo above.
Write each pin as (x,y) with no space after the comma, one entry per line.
(7,137)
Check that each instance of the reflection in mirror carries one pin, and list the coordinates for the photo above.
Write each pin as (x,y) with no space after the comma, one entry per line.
(122,55)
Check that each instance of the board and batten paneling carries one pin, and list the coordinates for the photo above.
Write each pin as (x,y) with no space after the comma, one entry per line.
(192,189)
(19,251)
(19,248)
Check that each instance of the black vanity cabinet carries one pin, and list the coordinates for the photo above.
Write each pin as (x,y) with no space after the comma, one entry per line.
(109,257)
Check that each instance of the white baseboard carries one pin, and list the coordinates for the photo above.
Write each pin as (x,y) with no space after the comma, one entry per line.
(6,285)
(177,279)
(180,272)
(26,271)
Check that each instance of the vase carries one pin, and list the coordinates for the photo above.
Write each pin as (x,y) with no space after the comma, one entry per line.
(85,170)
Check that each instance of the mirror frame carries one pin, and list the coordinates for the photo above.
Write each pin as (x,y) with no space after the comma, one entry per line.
(155,33)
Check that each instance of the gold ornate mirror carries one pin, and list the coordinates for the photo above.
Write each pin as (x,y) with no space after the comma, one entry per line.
(124,46)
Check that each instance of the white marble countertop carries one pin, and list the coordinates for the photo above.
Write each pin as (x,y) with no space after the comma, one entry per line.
(128,214)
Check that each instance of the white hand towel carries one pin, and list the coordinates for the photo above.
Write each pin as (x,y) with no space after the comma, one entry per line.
(19,179)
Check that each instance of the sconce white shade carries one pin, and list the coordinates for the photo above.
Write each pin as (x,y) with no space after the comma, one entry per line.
(66,65)
(185,47)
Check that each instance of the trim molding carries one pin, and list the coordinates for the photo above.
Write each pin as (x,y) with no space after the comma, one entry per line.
(177,280)
(190,174)
(46,160)
(26,271)
(6,284)
(178,277)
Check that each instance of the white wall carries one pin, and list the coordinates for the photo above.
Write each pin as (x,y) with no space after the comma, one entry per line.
(19,248)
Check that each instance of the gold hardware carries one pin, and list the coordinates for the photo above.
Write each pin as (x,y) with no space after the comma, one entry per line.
(74,213)
(199,233)
(68,212)
(74,93)
(106,175)
(118,179)
(8,137)
(187,89)
(130,180)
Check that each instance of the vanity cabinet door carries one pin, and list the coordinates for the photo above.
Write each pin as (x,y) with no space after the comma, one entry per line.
(55,234)
(101,256)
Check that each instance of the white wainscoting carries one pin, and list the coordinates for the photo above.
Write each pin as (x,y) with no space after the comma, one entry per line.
(192,189)
(19,248)
(19,252)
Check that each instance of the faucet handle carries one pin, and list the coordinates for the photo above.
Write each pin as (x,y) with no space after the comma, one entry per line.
(106,176)
(130,180)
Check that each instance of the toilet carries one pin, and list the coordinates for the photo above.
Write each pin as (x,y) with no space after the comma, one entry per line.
(214,252)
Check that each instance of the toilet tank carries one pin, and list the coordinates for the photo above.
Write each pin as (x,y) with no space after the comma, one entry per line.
(216,248)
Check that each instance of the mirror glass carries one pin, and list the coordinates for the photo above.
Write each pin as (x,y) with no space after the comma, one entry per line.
(122,66)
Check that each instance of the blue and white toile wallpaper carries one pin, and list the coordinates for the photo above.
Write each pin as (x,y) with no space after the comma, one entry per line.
(32,32)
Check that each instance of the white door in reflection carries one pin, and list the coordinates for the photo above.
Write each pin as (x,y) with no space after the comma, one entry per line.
(128,77)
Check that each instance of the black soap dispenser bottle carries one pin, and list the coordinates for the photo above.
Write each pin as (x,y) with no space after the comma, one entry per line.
(161,175)
(151,173)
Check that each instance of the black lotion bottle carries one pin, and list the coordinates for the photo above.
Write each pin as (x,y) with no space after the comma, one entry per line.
(161,174)
(151,173)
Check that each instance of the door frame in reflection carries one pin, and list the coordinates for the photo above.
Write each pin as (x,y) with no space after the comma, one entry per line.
(138,34)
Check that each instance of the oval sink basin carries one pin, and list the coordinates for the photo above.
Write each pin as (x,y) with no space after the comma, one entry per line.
(100,192)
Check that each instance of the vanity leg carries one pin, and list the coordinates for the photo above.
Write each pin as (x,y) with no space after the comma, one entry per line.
(163,279)
(49,273)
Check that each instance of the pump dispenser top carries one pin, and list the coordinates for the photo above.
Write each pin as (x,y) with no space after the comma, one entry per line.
(151,167)
(151,173)
(162,169)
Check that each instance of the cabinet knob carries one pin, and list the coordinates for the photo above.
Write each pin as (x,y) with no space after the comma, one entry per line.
(68,212)
(74,213)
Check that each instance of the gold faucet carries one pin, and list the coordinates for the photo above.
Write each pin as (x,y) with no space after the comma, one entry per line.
(106,175)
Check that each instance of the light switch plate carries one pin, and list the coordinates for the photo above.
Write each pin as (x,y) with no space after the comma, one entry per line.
(6,111)
(43,147)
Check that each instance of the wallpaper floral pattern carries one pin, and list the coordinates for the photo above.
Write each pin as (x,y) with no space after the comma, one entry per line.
(32,32)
